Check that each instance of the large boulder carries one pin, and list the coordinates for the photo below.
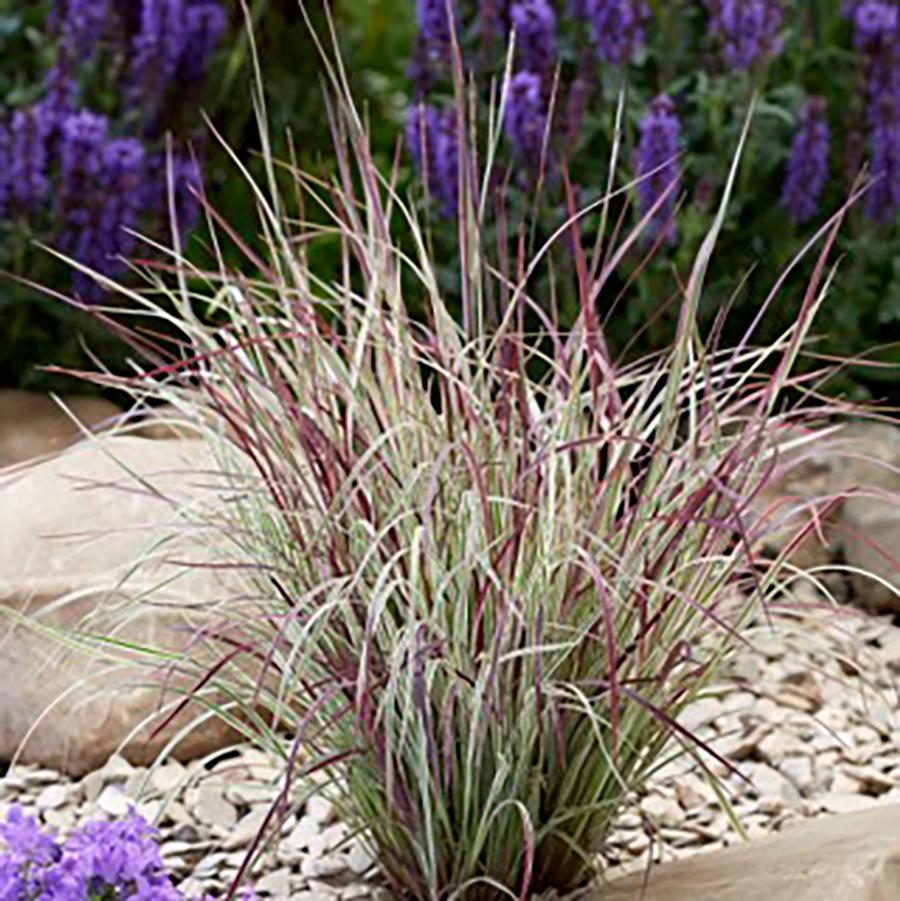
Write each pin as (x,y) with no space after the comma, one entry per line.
(848,483)
(794,511)
(855,857)
(103,540)
(869,527)
(34,425)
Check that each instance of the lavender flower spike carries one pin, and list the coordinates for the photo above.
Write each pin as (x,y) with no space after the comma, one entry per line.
(526,118)
(121,178)
(85,22)
(82,138)
(657,164)
(28,160)
(433,144)
(157,51)
(61,92)
(807,170)
(204,25)
(618,28)
(882,201)
(4,170)
(873,20)
(535,24)
(435,26)
(747,29)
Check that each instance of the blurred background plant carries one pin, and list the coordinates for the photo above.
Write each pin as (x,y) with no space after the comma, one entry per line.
(828,76)
(826,72)
(102,107)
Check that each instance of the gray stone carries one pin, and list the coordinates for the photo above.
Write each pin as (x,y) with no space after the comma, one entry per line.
(213,810)
(276,884)
(52,797)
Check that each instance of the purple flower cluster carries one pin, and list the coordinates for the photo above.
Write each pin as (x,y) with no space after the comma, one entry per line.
(433,143)
(747,29)
(876,27)
(61,90)
(165,40)
(807,170)
(83,137)
(873,21)
(617,27)
(525,120)
(204,25)
(534,22)
(435,26)
(66,168)
(99,861)
(657,165)
(28,160)
(112,214)
(83,22)
(156,52)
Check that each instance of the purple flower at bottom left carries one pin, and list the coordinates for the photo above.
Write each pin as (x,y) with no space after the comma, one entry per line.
(100,860)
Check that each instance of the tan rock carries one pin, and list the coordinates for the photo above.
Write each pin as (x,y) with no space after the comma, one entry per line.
(165,423)
(34,425)
(868,531)
(854,857)
(797,495)
(851,476)
(72,528)
(871,542)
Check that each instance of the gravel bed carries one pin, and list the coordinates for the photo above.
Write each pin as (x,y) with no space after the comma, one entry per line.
(810,716)
(810,719)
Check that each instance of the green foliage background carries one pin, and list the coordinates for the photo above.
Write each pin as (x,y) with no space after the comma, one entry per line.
(37,329)
(377,35)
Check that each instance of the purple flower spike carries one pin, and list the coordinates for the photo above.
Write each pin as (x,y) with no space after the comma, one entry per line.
(807,170)
(123,164)
(204,26)
(526,118)
(747,29)
(4,170)
(876,24)
(882,201)
(433,144)
(28,160)
(874,20)
(579,9)
(157,51)
(657,164)
(82,137)
(61,92)
(421,123)
(85,22)
(535,24)
(435,26)
(618,28)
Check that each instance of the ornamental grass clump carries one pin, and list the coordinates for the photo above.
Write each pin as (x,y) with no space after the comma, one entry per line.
(489,564)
